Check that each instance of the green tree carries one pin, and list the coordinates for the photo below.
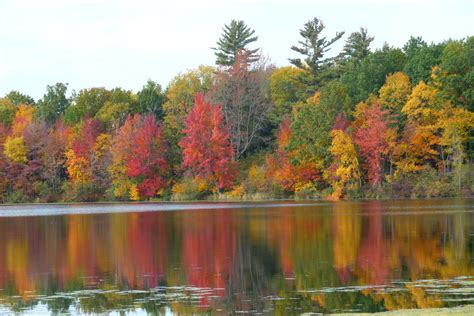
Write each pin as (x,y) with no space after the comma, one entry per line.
(89,102)
(311,136)
(357,46)
(7,111)
(18,98)
(455,74)
(421,58)
(54,103)
(151,99)
(86,104)
(313,47)
(335,99)
(313,121)
(235,38)
(367,77)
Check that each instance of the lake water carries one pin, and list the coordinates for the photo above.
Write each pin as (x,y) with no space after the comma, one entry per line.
(285,258)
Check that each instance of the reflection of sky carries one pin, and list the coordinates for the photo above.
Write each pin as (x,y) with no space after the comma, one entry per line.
(123,43)
(19,210)
(42,309)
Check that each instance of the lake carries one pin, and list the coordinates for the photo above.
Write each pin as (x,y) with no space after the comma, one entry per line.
(270,258)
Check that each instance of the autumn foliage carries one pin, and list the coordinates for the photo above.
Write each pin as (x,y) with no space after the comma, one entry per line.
(389,123)
(139,158)
(290,176)
(372,137)
(207,152)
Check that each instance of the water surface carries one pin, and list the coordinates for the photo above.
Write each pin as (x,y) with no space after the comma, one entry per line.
(285,258)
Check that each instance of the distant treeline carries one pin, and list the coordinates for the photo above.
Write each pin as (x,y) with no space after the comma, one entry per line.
(394,122)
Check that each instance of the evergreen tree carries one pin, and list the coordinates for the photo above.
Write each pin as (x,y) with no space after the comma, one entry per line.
(151,99)
(357,46)
(421,58)
(236,36)
(313,48)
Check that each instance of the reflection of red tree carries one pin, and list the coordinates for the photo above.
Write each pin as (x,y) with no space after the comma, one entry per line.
(371,261)
(208,250)
(148,249)
(285,230)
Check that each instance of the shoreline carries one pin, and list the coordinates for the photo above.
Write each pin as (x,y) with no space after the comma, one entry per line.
(87,208)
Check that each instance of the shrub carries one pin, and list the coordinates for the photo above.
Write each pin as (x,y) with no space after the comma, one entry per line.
(82,192)
(306,191)
(256,181)
(14,197)
(190,189)
(429,183)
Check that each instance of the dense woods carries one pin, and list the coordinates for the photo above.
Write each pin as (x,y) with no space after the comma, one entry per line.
(384,123)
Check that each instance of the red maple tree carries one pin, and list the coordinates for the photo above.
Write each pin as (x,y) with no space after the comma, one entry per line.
(372,138)
(143,150)
(207,151)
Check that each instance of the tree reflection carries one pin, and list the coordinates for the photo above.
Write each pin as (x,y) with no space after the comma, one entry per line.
(278,259)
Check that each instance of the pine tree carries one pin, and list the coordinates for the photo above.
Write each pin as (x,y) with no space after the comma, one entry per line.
(236,36)
(357,46)
(313,48)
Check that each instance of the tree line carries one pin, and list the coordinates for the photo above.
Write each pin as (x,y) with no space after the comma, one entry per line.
(394,122)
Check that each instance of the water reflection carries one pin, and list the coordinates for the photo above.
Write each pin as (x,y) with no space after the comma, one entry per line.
(368,256)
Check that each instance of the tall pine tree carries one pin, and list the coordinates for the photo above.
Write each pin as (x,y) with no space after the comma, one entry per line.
(313,48)
(236,36)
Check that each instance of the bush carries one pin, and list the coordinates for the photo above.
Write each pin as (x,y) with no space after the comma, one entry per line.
(14,197)
(430,184)
(43,192)
(83,192)
(384,191)
(306,191)
(257,181)
(190,189)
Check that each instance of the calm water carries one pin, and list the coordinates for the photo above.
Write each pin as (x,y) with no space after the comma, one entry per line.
(287,258)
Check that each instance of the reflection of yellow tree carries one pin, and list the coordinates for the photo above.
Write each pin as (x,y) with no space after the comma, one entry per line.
(347,230)
(416,243)
(396,300)
(422,299)
(17,264)
(78,246)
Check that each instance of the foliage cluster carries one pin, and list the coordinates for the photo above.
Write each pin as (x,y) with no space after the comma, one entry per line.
(394,122)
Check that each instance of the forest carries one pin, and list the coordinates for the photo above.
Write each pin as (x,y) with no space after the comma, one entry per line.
(360,123)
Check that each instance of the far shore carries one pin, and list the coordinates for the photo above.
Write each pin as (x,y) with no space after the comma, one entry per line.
(58,208)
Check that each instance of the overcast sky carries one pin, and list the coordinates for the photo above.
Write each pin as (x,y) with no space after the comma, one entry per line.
(90,43)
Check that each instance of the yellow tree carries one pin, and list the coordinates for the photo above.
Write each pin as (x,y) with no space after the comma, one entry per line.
(420,137)
(421,107)
(16,149)
(455,125)
(395,92)
(344,171)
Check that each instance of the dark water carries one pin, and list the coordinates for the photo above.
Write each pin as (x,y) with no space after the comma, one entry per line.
(344,257)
